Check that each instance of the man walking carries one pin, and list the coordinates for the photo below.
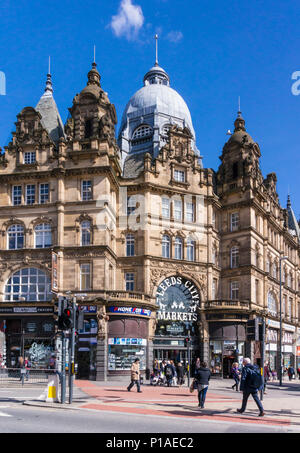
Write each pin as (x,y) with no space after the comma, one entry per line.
(251,382)
(135,376)
(202,375)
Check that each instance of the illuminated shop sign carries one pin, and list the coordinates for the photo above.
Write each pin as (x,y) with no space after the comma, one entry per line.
(177,299)
(130,310)
(127,341)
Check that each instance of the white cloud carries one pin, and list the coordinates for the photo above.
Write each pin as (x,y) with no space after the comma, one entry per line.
(128,21)
(175,36)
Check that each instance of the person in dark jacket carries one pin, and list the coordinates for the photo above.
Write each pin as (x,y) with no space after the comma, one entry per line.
(202,375)
(249,389)
(291,372)
(236,375)
(180,373)
(169,373)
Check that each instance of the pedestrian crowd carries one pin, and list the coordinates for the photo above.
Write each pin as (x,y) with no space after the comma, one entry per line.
(248,379)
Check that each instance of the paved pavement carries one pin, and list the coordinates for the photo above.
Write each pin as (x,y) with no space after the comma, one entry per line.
(282,405)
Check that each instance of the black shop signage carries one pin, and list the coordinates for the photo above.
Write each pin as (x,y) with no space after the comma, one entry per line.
(177,299)
(25,310)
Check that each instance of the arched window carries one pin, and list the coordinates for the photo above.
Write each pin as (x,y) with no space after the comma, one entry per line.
(88,128)
(15,236)
(43,236)
(29,283)
(85,232)
(178,249)
(272,304)
(274,270)
(190,250)
(142,132)
(130,245)
(234,257)
(166,246)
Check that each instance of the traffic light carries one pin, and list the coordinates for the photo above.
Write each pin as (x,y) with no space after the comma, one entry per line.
(67,317)
(252,330)
(186,342)
(63,313)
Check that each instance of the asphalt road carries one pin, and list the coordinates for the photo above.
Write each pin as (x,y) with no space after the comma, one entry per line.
(18,418)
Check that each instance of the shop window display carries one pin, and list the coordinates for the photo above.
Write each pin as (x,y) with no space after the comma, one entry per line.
(123,351)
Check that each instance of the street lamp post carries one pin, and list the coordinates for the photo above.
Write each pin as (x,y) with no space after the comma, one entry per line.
(280,317)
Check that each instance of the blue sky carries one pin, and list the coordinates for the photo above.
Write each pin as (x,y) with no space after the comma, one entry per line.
(214,51)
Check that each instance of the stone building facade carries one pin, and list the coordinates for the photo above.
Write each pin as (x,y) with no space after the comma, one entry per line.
(156,247)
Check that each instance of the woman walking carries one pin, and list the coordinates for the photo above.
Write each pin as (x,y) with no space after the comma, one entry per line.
(202,375)
(236,375)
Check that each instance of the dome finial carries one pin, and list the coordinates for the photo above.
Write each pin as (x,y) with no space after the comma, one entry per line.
(156,54)
(239,123)
(94,76)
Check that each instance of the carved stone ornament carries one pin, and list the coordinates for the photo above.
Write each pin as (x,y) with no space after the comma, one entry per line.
(102,322)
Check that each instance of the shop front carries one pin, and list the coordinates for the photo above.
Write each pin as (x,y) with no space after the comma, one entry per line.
(226,346)
(177,299)
(28,332)
(298,349)
(128,332)
(271,348)
(287,342)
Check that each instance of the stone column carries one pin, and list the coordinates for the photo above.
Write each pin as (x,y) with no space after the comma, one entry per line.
(101,359)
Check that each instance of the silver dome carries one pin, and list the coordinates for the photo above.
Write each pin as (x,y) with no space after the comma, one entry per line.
(151,110)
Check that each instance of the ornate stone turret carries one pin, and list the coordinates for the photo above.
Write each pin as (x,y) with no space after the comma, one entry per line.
(92,114)
(240,157)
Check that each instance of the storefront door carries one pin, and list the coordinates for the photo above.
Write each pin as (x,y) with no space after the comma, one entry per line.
(227,365)
(177,355)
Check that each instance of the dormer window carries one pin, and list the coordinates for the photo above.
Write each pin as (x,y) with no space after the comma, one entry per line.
(30,157)
(141,134)
(179,175)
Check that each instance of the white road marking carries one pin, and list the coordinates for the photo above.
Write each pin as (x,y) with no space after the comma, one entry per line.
(2,414)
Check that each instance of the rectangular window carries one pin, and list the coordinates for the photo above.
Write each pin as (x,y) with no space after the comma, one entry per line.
(178,210)
(234,257)
(256,294)
(30,157)
(190,250)
(179,175)
(166,208)
(129,281)
(234,290)
(131,205)
(234,221)
(214,288)
(44,193)
(85,276)
(189,212)
(86,190)
(30,194)
(130,245)
(17,195)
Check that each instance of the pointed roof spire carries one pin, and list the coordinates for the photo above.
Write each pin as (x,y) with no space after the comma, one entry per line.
(47,107)
(293,225)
